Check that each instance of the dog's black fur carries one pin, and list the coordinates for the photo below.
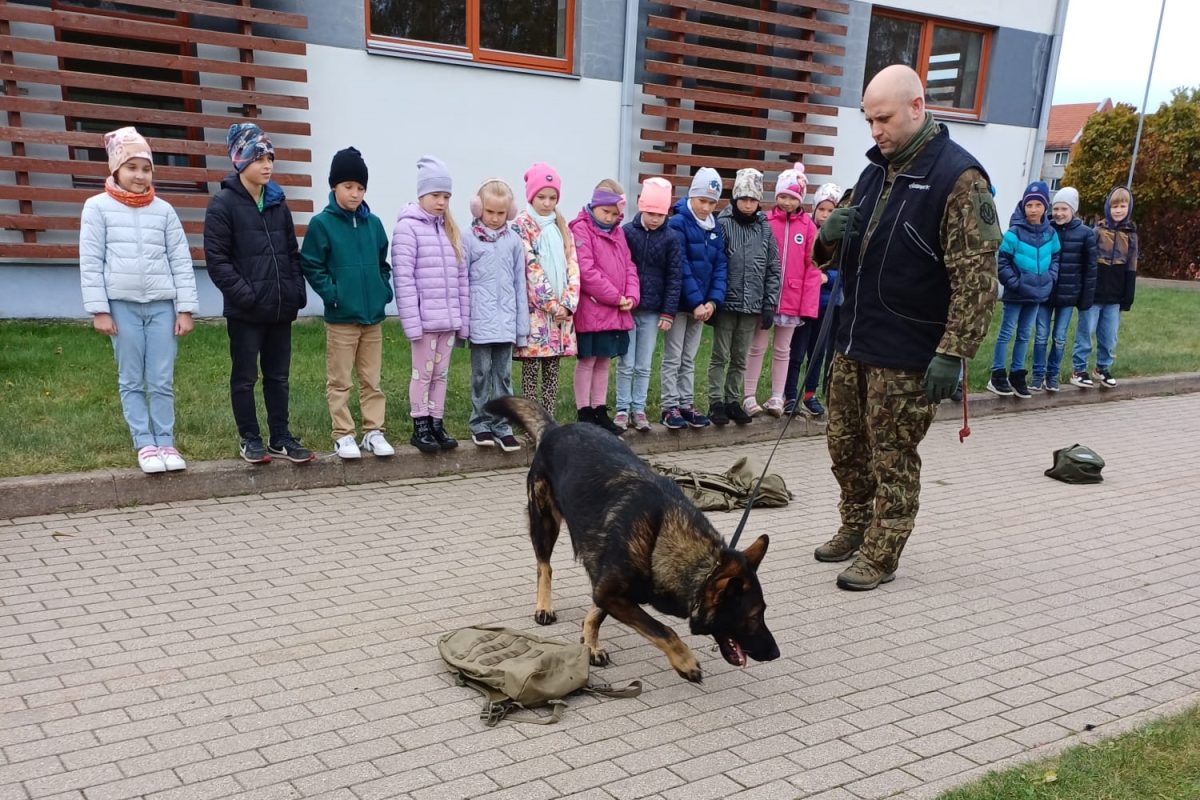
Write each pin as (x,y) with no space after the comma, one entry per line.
(641,542)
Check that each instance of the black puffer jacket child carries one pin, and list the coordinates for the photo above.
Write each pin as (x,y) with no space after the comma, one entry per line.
(1076,285)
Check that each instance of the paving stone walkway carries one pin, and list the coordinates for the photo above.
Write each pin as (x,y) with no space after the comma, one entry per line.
(283,645)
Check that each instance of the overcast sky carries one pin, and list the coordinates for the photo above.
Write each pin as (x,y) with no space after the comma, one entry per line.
(1107,45)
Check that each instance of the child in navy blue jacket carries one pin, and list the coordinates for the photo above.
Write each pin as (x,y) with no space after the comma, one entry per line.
(1075,288)
(1027,264)
(705,272)
(655,252)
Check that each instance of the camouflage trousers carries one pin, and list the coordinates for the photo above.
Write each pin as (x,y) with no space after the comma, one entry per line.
(877,418)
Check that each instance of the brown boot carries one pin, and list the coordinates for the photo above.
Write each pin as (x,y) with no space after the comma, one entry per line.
(863,575)
(842,546)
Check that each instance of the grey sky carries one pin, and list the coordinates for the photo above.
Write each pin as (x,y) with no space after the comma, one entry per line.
(1107,45)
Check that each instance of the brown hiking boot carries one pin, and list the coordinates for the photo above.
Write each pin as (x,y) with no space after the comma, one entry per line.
(841,547)
(863,575)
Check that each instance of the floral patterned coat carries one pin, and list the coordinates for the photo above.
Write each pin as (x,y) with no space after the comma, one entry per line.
(547,338)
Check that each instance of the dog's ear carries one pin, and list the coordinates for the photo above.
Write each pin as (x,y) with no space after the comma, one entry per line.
(755,552)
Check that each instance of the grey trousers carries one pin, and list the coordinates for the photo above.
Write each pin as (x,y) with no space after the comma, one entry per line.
(491,377)
(678,370)
(732,333)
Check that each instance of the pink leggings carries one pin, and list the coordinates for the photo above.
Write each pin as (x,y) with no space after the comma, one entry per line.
(591,382)
(779,359)
(430,366)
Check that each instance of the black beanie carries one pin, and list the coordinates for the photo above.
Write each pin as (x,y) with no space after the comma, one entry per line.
(348,165)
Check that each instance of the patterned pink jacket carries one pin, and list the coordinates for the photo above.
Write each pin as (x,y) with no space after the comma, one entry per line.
(547,338)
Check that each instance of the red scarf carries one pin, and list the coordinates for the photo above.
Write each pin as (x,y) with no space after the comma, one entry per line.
(126,197)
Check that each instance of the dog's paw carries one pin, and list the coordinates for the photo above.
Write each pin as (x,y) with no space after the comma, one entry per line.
(598,657)
(545,616)
(689,669)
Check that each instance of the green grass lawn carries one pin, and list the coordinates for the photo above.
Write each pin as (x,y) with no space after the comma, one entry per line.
(1160,761)
(59,388)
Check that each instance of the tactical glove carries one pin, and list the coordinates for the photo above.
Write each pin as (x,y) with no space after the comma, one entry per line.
(941,378)
(842,223)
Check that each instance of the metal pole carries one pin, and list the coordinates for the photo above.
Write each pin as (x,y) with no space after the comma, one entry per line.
(1137,141)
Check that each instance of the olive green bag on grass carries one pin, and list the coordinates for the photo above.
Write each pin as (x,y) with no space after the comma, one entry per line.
(1076,464)
(512,669)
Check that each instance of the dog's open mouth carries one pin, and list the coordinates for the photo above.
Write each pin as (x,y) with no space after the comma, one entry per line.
(731,651)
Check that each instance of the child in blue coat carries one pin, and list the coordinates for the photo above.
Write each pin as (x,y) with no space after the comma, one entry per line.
(1028,267)
(705,272)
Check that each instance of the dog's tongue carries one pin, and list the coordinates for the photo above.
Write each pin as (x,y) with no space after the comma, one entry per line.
(733,653)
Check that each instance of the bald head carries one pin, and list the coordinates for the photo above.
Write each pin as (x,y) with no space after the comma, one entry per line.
(894,107)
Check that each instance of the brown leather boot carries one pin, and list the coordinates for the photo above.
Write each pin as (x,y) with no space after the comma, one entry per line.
(841,547)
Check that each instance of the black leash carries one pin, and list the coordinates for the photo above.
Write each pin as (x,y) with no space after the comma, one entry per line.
(818,349)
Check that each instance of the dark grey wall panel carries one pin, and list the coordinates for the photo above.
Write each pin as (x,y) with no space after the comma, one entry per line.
(334,23)
(1016,77)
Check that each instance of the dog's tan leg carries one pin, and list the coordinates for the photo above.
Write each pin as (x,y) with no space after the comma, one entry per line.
(544,611)
(544,525)
(597,656)
(679,654)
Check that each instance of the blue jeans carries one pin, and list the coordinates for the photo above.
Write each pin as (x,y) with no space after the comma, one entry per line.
(1101,321)
(1056,319)
(145,351)
(633,368)
(1016,326)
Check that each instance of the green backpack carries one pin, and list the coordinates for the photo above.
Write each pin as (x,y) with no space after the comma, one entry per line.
(725,491)
(512,669)
(1076,464)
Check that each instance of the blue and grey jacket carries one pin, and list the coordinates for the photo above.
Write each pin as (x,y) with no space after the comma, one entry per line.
(1027,262)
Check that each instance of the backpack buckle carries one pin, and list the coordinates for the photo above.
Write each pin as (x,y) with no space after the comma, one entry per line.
(492,713)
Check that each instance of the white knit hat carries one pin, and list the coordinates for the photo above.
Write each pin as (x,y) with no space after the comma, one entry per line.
(1068,195)
(828,191)
(706,183)
(748,183)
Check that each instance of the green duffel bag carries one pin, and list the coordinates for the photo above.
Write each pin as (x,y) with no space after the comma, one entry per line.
(1076,464)
(513,669)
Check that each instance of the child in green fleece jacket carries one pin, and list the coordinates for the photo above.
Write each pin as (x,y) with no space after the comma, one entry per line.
(344,258)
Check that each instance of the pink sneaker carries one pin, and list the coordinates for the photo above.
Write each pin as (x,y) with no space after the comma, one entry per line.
(621,420)
(751,407)
(774,406)
(170,456)
(640,421)
(150,461)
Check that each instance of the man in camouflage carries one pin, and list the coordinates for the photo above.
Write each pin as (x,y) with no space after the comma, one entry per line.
(917,242)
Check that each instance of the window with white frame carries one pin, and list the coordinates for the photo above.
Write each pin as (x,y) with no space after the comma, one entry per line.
(1062,158)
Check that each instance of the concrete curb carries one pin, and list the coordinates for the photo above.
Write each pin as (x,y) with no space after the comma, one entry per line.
(38,495)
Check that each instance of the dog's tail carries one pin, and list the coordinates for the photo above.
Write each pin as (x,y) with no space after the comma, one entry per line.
(526,413)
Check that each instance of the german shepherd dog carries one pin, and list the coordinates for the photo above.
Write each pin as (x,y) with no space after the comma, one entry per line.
(641,542)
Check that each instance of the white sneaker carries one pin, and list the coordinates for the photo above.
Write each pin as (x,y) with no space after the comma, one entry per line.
(150,461)
(346,447)
(171,458)
(373,442)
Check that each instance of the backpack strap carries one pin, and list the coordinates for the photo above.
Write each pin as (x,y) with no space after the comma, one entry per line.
(631,689)
(497,705)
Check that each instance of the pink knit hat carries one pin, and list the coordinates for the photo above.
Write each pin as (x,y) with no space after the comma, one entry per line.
(124,144)
(541,176)
(792,182)
(656,196)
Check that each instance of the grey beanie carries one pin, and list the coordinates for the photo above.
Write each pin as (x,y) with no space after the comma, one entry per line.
(432,176)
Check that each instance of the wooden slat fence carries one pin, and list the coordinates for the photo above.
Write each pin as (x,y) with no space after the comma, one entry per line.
(41,50)
(715,68)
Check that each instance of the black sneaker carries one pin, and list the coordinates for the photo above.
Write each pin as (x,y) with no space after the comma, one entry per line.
(999,384)
(484,439)
(1107,381)
(789,407)
(509,443)
(252,451)
(717,414)
(813,406)
(289,447)
(737,414)
(1081,380)
(1016,379)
